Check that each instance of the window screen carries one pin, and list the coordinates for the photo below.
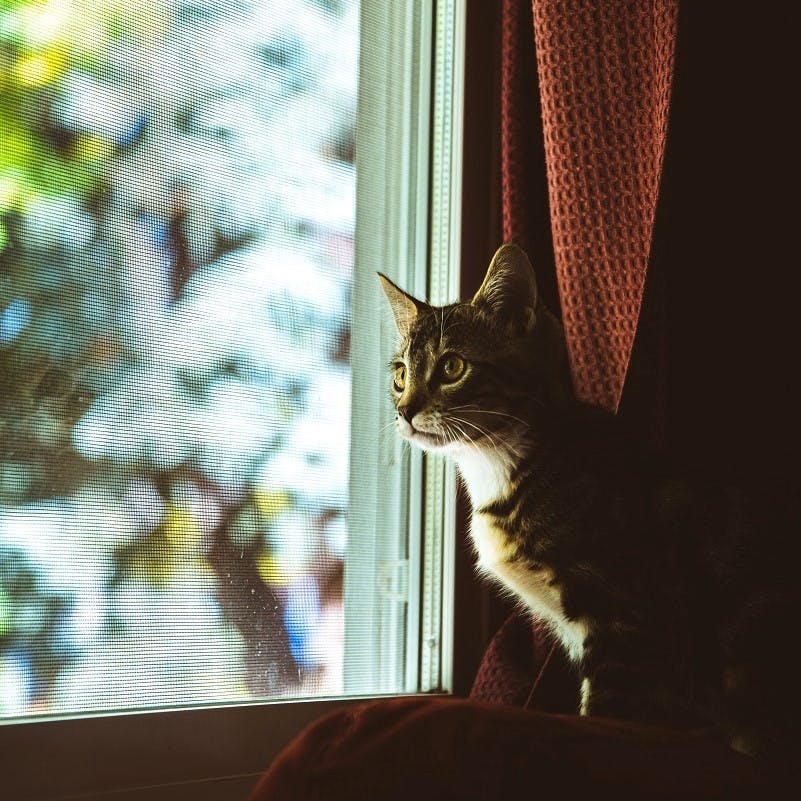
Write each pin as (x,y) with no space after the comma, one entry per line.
(176,254)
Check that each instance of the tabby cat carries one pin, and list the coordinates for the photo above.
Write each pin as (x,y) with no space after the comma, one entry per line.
(675,608)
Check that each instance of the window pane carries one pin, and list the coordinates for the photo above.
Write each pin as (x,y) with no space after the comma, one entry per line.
(176,256)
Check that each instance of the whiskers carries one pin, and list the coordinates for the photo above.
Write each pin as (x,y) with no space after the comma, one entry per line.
(477,437)
(461,429)
(389,437)
(485,458)
(474,407)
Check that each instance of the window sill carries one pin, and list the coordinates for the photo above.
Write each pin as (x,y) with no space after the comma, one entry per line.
(206,753)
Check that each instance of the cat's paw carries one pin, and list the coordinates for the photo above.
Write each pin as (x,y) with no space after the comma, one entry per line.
(584,705)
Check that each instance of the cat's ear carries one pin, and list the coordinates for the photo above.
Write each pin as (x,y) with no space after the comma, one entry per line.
(510,287)
(404,307)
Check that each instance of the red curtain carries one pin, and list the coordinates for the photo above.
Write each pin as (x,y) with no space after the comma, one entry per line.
(604,73)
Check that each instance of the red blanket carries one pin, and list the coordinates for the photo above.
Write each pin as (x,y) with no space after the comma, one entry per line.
(435,749)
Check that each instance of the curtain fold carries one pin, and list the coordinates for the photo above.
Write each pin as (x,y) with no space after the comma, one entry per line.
(604,72)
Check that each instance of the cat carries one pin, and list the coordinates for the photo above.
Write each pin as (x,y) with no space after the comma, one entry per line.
(674,607)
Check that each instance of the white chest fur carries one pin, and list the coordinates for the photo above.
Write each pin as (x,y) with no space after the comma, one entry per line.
(485,473)
(486,477)
(537,588)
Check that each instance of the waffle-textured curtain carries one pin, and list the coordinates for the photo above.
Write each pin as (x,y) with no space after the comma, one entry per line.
(604,73)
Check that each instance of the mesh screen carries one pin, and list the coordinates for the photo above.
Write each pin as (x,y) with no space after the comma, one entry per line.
(176,239)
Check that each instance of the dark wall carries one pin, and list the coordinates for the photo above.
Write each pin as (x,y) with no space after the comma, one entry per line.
(728,237)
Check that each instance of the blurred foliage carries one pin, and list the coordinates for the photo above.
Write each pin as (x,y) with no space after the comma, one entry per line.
(174,390)
(39,405)
(32,617)
(40,40)
(174,546)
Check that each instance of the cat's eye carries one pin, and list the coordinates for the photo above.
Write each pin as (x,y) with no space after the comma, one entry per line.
(399,377)
(452,367)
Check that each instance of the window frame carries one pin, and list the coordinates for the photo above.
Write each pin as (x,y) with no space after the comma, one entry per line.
(220,751)
(159,751)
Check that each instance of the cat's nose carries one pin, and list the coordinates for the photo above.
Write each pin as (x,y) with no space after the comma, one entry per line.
(407,412)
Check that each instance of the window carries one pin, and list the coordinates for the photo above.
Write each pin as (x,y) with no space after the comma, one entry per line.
(202,503)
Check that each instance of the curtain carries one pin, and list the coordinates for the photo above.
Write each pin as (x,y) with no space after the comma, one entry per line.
(585,91)
(604,73)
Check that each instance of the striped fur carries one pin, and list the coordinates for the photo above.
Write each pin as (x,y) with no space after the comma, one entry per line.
(673,605)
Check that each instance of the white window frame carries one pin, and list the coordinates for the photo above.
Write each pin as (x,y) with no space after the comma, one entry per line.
(219,751)
(399,569)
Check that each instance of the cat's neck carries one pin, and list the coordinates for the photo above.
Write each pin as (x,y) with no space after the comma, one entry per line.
(486,472)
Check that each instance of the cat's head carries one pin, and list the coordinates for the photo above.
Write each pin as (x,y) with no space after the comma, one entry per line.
(479,373)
